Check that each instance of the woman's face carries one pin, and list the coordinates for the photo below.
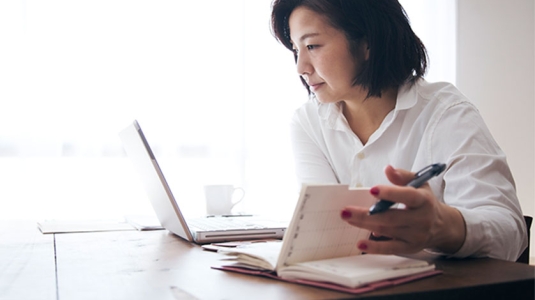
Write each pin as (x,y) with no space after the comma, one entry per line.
(323,57)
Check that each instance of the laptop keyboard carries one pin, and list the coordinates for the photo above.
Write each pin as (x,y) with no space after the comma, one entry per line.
(223,224)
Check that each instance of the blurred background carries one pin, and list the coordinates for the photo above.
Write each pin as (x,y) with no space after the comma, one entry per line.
(211,87)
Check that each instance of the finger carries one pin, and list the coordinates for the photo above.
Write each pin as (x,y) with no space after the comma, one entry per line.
(385,247)
(408,226)
(407,234)
(379,237)
(409,196)
(388,223)
(398,176)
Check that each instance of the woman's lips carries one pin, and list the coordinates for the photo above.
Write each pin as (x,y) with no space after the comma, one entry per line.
(315,86)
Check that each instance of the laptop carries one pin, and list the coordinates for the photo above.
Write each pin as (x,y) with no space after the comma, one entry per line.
(203,230)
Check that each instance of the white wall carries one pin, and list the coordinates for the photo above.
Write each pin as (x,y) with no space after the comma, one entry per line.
(495,69)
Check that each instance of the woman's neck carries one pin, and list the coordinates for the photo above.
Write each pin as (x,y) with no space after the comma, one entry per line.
(364,116)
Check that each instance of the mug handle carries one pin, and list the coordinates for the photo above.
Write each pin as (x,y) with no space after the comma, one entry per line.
(241,197)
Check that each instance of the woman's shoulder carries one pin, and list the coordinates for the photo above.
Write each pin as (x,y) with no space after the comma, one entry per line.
(437,104)
(445,106)
(444,92)
(438,97)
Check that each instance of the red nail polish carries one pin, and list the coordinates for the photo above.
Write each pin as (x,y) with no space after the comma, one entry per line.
(363,247)
(346,214)
(374,191)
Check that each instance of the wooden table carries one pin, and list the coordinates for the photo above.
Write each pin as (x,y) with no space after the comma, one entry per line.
(159,265)
(27,265)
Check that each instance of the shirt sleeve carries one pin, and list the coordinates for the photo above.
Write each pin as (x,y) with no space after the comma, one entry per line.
(479,183)
(311,164)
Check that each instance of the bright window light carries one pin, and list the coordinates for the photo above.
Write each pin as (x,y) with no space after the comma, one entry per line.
(211,87)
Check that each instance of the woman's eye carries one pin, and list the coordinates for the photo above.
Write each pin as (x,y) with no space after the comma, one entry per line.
(311,47)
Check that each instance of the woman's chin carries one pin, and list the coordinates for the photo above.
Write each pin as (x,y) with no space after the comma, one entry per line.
(325,100)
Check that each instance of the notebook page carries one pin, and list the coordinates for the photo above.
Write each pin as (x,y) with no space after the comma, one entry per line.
(261,255)
(316,231)
(354,271)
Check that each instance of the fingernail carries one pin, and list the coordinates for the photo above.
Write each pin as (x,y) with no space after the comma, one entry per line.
(374,191)
(363,247)
(346,214)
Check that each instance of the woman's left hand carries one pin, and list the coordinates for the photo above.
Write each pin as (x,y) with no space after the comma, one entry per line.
(424,223)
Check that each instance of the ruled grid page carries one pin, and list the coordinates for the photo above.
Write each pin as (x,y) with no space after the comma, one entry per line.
(317,231)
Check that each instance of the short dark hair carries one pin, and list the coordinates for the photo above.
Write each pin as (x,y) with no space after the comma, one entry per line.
(396,56)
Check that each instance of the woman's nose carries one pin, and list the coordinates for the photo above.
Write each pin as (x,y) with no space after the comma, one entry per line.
(303,64)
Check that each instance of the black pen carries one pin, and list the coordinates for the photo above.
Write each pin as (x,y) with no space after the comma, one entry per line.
(420,178)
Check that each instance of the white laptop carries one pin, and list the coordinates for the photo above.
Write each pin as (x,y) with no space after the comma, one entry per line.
(209,229)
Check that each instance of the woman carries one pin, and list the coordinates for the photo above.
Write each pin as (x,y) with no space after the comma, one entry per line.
(372,117)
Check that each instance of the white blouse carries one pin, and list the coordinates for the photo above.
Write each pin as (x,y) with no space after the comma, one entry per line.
(431,123)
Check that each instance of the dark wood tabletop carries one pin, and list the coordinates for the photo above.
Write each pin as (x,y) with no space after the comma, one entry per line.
(159,265)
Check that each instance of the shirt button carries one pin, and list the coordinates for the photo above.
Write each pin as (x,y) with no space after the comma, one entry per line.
(361,155)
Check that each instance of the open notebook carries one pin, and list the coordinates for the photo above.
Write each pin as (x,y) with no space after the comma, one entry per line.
(204,230)
(319,248)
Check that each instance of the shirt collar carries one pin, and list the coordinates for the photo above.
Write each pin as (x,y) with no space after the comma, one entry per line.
(407,96)
(332,114)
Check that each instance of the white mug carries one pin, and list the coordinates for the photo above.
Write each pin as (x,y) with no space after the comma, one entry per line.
(220,198)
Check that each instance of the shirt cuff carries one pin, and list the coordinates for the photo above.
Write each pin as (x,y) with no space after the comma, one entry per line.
(476,239)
